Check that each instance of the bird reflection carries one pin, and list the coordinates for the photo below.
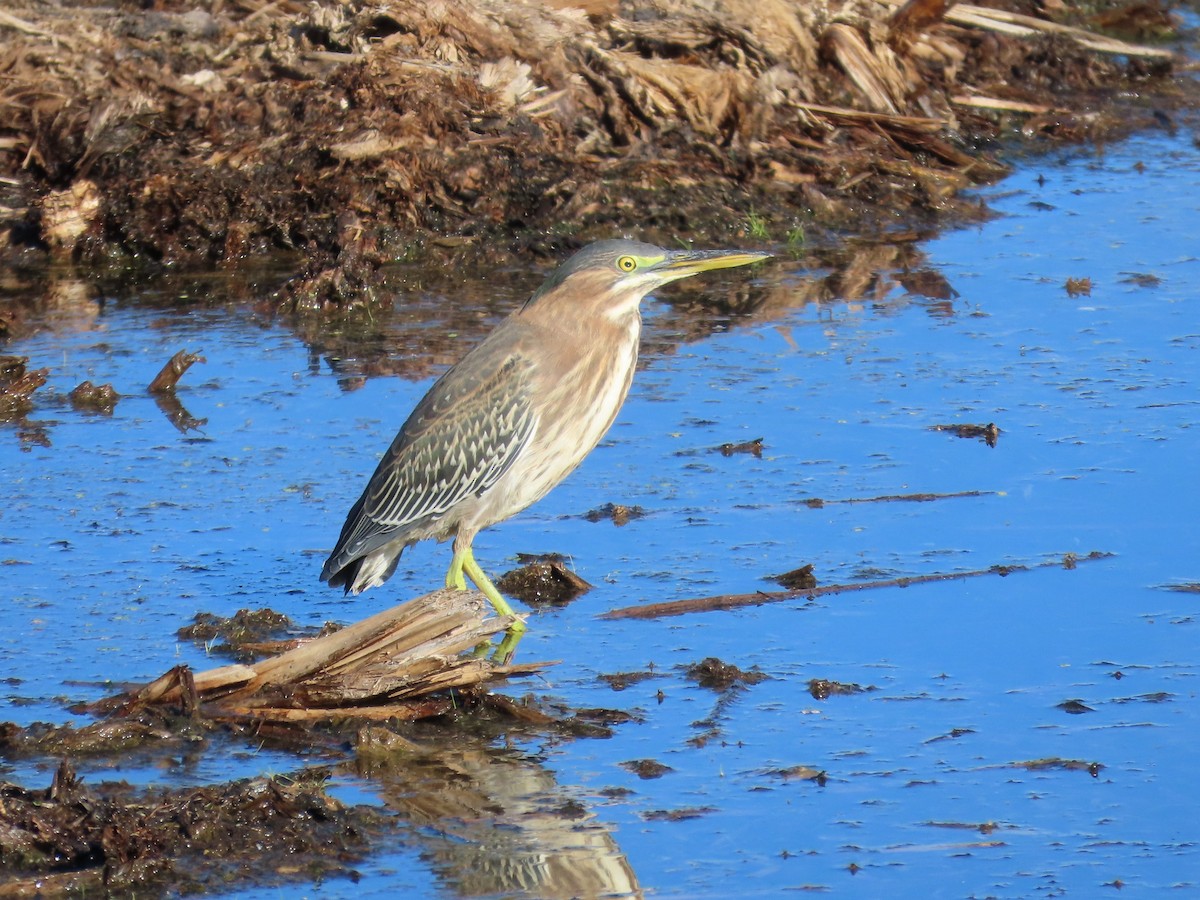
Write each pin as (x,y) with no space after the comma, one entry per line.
(494,822)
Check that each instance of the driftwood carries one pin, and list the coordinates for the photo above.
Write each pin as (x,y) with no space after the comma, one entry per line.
(401,663)
(734,601)
(168,376)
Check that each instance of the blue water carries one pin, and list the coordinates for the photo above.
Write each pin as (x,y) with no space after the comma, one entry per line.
(123,528)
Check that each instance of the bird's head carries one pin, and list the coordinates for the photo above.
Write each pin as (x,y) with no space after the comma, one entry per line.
(610,278)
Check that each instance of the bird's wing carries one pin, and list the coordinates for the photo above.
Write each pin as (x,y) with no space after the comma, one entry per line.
(461,438)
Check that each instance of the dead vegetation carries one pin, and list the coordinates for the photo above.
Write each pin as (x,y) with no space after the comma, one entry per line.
(72,839)
(350,131)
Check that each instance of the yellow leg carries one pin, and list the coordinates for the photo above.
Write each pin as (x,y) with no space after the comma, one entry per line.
(476,574)
(454,575)
(464,563)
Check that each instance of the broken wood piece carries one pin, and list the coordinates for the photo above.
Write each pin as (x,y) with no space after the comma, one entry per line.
(1020,106)
(169,375)
(399,663)
(758,598)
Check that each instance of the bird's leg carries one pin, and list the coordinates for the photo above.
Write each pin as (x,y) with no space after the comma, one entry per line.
(454,575)
(463,563)
(476,574)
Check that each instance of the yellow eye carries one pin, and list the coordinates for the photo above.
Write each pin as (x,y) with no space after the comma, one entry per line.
(626,263)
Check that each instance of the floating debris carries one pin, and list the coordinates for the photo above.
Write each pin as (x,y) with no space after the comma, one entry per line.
(1077,287)
(169,375)
(1074,707)
(797,579)
(542,581)
(818,502)
(620,515)
(677,815)
(99,398)
(721,676)
(621,680)
(1141,279)
(1055,762)
(754,448)
(646,768)
(952,735)
(982,827)
(800,773)
(17,384)
(735,601)
(989,433)
(823,689)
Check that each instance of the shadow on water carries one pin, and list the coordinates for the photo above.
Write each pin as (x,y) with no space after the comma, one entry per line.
(999,736)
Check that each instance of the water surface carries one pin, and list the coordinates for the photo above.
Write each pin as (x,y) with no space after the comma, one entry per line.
(116,530)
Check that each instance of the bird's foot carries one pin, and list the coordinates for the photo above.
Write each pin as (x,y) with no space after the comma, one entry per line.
(502,652)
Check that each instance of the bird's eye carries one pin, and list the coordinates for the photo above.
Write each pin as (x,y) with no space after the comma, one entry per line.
(626,263)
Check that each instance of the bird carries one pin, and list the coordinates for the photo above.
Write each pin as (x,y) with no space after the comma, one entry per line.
(513,417)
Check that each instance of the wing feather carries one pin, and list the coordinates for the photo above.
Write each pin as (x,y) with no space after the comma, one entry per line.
(458,442)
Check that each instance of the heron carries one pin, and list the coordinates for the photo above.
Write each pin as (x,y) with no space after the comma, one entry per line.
(513,417)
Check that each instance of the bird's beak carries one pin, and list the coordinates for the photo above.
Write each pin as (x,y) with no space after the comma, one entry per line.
(682,263)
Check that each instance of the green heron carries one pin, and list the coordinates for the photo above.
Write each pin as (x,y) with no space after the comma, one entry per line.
(514,417)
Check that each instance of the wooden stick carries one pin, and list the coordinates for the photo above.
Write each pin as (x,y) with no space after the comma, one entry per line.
(168,376)
(758,598)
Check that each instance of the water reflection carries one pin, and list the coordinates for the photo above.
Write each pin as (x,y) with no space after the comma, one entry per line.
(434,314)
(493,822)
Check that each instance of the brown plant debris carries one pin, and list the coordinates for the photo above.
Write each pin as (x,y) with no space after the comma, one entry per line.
(754,448)
(17,384)
(1142,279)
(797,579)
(1185,587)
(618,681)
(74,839)
(818,502)
(248,633)
(349,131)
(543,580)
(1074,707)
(734,601)
(952,735)
(677,815)
(646,768)
(1079,287)
(716,675)
(1055,762)
(984,828)
(168,376)
(989,433)
(100,398)
(800,773)
(823,688)
(617,513)
(403,663)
